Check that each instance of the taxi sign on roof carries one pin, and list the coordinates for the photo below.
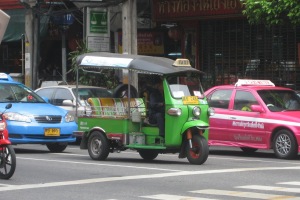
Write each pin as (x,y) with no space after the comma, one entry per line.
(245,82)
(180,62)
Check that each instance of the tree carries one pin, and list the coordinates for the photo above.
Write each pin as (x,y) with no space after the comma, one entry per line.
(272,12)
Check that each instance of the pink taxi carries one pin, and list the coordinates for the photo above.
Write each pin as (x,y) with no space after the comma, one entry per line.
(255,114)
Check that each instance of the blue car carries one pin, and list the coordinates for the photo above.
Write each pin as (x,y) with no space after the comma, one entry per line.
(32,120)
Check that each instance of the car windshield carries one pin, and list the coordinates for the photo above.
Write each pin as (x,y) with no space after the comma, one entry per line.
(280,100)
(85,93)
(15,93)
(185,85)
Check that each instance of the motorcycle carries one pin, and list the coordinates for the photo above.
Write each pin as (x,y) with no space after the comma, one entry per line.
(7,153)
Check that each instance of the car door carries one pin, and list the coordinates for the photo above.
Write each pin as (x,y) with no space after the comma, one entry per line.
(245,127)
(46,92)
(219,99)
(62,94)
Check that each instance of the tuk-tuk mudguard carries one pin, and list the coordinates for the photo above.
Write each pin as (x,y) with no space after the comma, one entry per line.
(198,124)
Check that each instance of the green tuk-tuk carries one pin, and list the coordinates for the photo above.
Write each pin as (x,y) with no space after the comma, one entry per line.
(120,123)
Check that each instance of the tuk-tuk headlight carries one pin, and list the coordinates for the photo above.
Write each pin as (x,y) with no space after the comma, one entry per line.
(211,111)
(196,111)
(2,126)
(174,111)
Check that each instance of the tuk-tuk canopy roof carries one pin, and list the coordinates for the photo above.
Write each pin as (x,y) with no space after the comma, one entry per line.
(142,64)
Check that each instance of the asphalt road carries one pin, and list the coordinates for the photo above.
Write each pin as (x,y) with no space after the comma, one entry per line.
(227,174)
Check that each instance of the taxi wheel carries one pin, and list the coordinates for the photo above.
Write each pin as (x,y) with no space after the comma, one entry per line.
(199,153)
(98,146)
(284,145)
(148,154)
(57,147)
(121,91)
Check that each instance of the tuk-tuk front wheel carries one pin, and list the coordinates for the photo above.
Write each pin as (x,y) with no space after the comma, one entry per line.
(199,153)
(148,154)
(98,146)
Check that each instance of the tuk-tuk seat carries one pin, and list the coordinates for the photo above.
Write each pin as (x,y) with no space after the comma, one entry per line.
(116,107)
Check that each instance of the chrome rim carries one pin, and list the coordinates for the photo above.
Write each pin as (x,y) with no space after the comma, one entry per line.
(283,144)
(96,146)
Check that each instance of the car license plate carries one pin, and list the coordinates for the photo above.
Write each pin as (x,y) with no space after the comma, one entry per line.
(190,100)
(52,132)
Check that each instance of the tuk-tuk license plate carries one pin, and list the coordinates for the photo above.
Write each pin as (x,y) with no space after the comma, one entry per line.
(190,100)
(52,132)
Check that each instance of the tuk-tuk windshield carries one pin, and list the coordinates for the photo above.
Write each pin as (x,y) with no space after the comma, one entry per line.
(185,85)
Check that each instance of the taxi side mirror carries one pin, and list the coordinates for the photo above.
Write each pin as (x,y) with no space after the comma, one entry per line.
(256,108)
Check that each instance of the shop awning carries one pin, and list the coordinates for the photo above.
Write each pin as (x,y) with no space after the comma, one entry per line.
(16,25)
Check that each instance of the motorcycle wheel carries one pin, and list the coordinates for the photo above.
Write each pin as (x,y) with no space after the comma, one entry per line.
(98,146)
(7,162)
(199,153)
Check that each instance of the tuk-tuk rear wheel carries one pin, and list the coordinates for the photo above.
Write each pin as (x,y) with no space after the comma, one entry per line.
(98,146)
(199,153)
(148,154)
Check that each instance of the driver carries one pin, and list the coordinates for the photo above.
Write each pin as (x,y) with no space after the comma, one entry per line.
(157,107)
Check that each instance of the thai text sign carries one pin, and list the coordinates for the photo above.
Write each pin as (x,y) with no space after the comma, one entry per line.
(167,9)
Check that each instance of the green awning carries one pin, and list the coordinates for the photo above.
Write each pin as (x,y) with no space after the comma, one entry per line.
(16,25)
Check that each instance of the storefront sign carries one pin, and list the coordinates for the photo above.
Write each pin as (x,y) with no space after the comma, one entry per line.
(98,22)
(150,43)
(98,43)
(168,9)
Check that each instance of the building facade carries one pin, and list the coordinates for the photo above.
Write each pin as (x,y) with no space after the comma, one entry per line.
(218,40)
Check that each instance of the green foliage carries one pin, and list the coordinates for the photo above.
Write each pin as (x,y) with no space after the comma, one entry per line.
(272,12)
(103,79)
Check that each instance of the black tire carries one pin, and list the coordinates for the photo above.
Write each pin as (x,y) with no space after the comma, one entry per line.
(121,91)
(98,146)
(148,154)
(285,145)
(248,150)
(8,162)
(57,147)
(199,153)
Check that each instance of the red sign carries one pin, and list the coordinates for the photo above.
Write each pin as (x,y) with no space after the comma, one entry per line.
(170,9)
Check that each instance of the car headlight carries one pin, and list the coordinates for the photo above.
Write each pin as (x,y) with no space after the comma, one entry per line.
(69,117)
(196,111)
(17,117)
(211,111)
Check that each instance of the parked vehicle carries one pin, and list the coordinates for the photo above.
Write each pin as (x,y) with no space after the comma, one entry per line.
(117,123)
(255,114)
(7,153)
(32,120)
(64,96)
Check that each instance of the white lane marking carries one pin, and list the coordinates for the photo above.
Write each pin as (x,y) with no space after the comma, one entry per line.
(291,183)
(252,195)
(173,197)
(97,163)
(270,188)
(136,177)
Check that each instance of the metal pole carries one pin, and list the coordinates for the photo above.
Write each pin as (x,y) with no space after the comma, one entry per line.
(64,56)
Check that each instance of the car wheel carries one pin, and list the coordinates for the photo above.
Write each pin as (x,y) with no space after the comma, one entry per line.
(98,146)
(148,154)
(285,145)
(199,153)
(121,91)
(57,147)
(248,150)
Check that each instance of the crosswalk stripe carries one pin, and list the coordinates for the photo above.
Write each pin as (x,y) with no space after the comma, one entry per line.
(252,195)
(173,197)
(290,183)
(270,188)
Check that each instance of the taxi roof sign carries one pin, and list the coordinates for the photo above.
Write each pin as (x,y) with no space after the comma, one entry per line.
(5,77)
(181,62)
(249,82)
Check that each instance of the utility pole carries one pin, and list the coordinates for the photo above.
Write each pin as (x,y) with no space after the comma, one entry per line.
(129,35)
